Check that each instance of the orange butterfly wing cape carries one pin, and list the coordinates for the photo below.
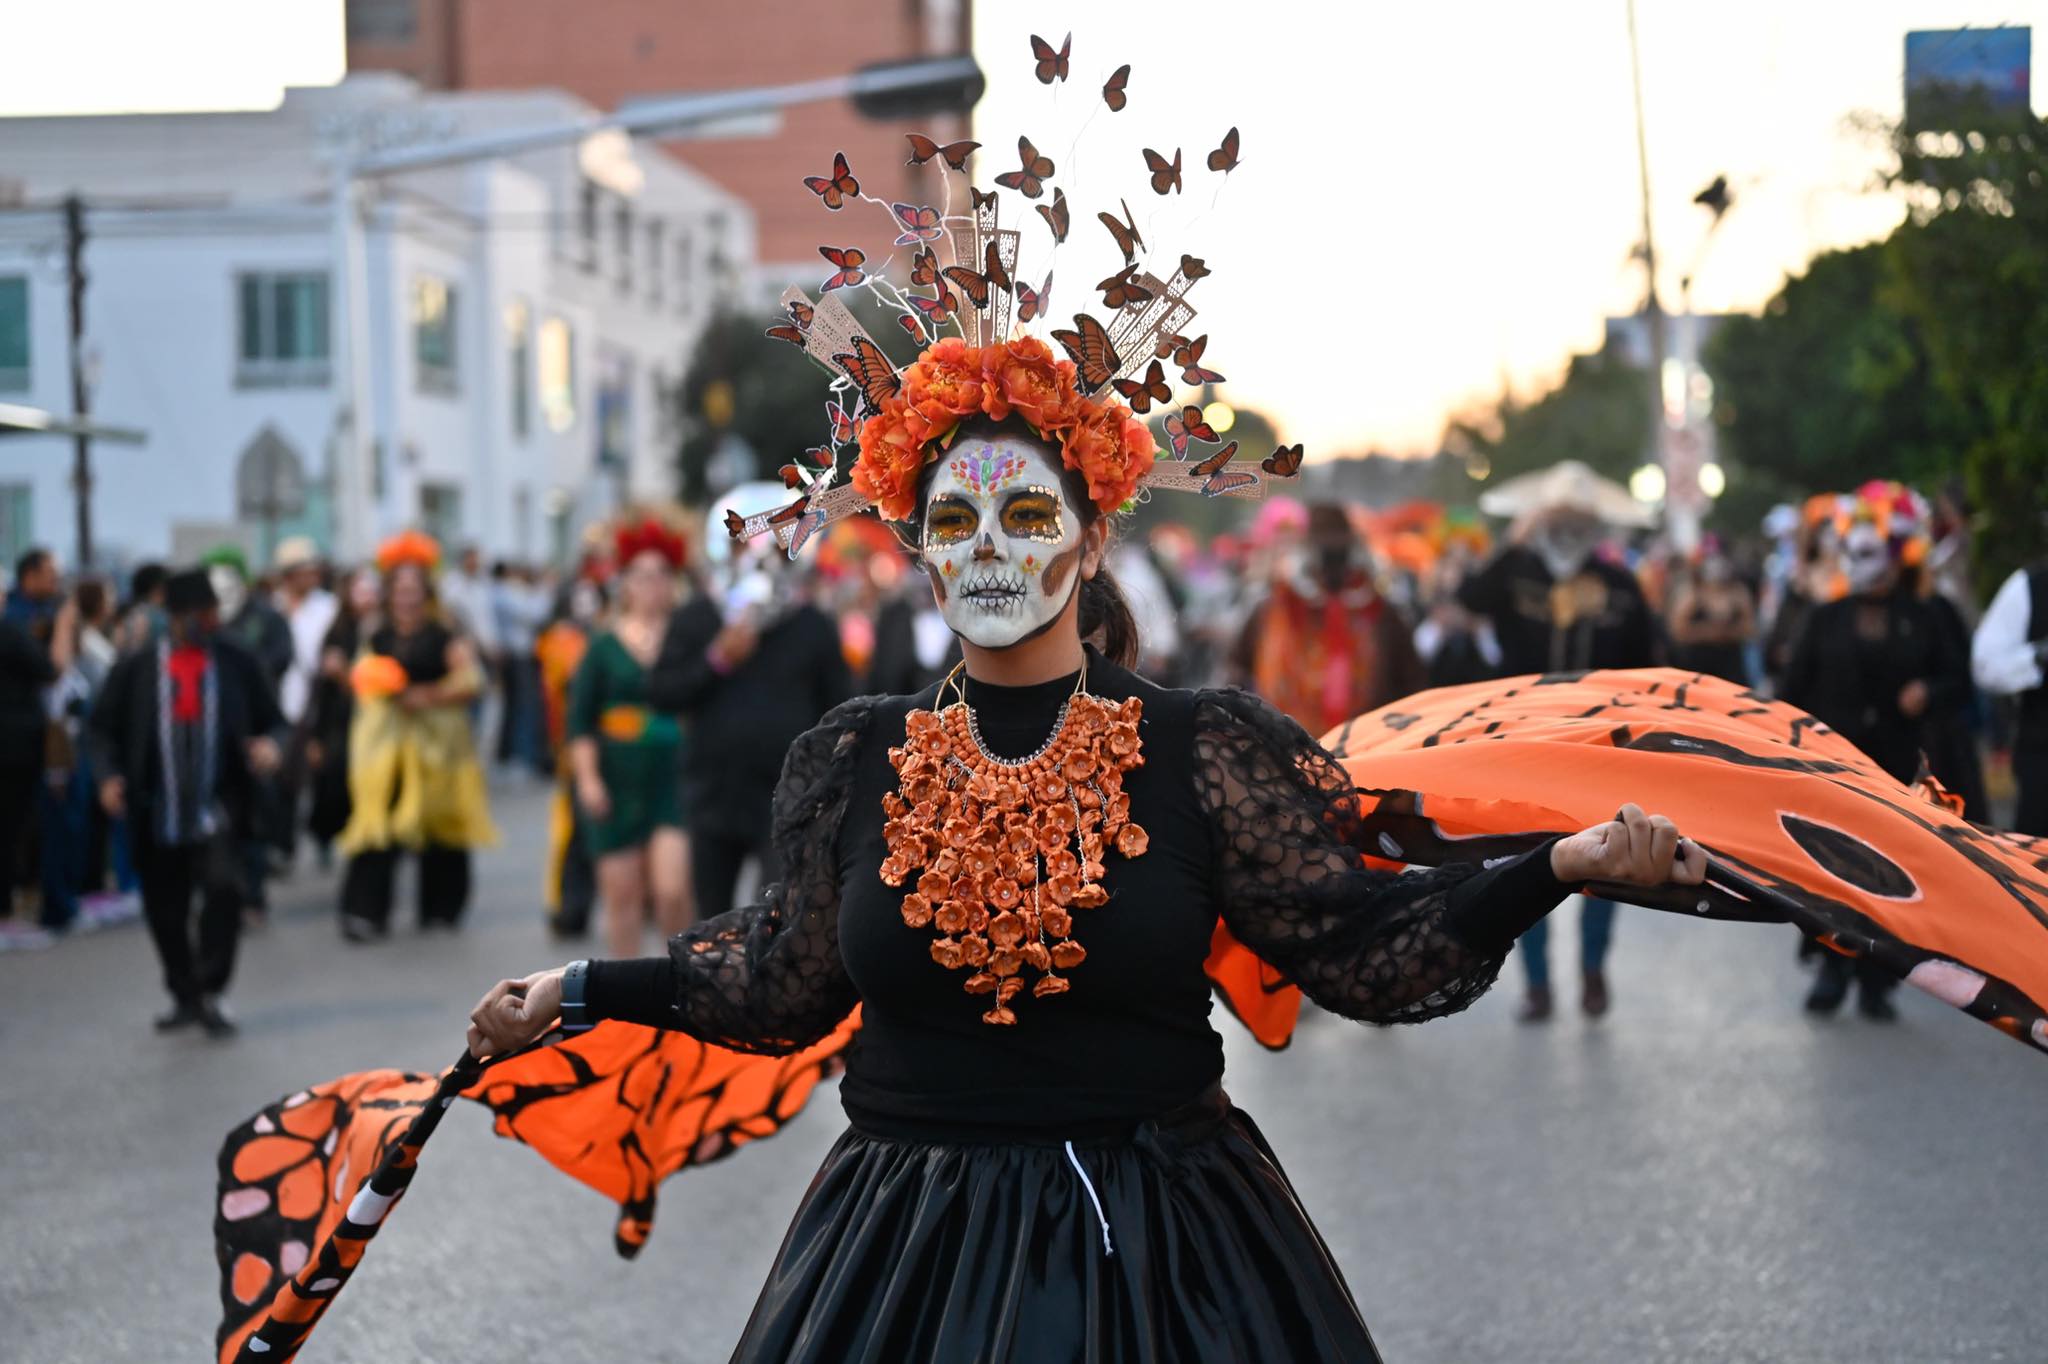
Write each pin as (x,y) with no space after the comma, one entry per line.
(1798,825)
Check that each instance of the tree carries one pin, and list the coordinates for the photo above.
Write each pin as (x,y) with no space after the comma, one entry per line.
(743,382)
(1599,414)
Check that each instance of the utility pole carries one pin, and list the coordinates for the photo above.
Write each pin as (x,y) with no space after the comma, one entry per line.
(81,394)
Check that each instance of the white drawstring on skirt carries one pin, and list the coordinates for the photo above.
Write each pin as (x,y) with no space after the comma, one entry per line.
(1087,1184)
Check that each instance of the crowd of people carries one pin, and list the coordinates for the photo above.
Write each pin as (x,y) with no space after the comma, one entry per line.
(171,750)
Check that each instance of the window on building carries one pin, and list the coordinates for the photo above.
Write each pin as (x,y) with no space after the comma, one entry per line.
(282,331)
(519,366)
(656,234)
(381,21)
(586,226)
(441,511)
(622,235)
(17,521)
(433,333)
(556,351)
(14,372)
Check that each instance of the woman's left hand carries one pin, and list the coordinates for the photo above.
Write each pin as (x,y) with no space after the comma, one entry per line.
(1632,849)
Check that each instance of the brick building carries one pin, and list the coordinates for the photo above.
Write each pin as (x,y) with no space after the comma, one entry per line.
(609,51)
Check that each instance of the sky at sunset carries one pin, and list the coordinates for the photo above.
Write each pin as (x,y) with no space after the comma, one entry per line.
(1433,198)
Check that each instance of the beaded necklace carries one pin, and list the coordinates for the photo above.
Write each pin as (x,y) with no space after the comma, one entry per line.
(1008,849)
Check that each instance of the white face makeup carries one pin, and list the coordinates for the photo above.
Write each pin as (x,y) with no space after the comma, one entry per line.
(1001,544)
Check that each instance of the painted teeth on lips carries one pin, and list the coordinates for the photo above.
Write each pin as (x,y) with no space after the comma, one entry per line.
(993,591)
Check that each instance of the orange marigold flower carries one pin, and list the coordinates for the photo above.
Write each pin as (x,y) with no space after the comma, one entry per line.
(1112,450)
(892,453)
(1025,378)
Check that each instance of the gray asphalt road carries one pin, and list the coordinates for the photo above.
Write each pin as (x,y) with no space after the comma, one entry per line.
(1707,1175)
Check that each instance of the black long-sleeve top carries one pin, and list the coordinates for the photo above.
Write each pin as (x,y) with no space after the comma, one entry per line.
(1248,820)
(743,722)
(1854,656)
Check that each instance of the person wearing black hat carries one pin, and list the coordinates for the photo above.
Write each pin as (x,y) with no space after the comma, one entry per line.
(183,727)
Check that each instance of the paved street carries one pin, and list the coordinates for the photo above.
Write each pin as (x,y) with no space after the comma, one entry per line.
(1707,1175)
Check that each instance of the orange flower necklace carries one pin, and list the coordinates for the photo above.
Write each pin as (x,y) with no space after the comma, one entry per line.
(1009,849)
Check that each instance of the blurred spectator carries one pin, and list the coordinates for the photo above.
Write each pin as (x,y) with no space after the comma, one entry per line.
(1456,646)
(519,608)
(309,611)
(38,592)
(2009,657)
(415,784)
(1712,617)
(182,730)
(1324,645)
(913,646)
(142,619)
(466,597)
(25,670)
(1875,666)
(248,618)
(571,888)
(1556,606)
(1816,577)
(330,706)
(748,668)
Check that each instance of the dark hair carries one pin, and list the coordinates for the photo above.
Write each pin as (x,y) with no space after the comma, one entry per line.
(147,581)
(28,563)
(91,596)
(1105,618)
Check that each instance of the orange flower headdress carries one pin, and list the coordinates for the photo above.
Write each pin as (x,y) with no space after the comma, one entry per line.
(966,305)
(409,547)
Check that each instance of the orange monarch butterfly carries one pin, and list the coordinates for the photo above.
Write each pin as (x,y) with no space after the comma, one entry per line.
(954,154)
(1113,88)
(836,188)
(842,422)
(1089,348)
(1052,65)
(849,260)
(1284,462)
(821,455)
(938,309)
(1142,395)
(792,477)
(870,371)
(801,313)
(1165,175)
(1186,425)
(981,198)
(1121,290)
(1189,357)
(1169,345)
(1126,232)
(1224,158)
(909,323)
(788,332)
(1193,268)
(979,286)
(1220,478)
(1028,180)
(920,223)
(924,267)
(1031,302)
(1055,214)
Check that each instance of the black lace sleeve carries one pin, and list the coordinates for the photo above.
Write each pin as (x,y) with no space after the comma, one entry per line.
(1373,945)
(764,978)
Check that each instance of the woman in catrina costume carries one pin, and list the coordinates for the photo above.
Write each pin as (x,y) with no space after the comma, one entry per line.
(415,784)
(1017,873)
(625,756)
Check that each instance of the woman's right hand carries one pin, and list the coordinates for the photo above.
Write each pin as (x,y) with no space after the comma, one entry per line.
(514,1012)
(594,798)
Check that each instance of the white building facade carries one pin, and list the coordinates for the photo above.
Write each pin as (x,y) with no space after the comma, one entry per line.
(524,323)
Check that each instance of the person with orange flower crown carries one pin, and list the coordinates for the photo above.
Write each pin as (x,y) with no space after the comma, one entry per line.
(1017,874)
(414,781)
(625,755)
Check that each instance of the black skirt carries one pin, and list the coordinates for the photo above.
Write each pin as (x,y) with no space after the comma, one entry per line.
(1180,1240)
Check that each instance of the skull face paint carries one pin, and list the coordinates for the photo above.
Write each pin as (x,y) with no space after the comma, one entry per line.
(995,525)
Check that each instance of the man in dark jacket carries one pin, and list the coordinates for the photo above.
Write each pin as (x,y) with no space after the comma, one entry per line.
(747,679)
(25,670)
(1557,606)
(184,727)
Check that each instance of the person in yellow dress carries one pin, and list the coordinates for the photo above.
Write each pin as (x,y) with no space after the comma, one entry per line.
(415,784)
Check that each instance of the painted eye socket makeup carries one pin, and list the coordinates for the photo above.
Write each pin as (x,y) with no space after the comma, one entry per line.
(1034,514)
(950,521)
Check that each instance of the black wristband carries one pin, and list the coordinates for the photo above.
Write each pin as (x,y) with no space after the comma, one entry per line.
(575,1018)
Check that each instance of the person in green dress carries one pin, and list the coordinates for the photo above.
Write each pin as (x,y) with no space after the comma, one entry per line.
(625,755)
